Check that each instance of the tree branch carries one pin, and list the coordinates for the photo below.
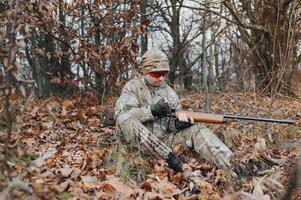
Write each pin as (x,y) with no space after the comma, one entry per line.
(239,22)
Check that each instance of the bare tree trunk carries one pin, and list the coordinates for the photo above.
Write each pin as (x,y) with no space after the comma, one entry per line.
(32,60)
(83,63)
(65,65)
(216,62)
(204,63)
(98,77)
(175,34)
(144,38)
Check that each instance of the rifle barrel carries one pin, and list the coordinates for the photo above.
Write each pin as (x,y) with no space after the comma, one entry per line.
(285,121)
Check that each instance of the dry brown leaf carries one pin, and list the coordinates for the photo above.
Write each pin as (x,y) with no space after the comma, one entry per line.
(64,185)
(49,108)
(75,173)
(96,122)
(258,191)
(65,172)
(166,188)
(153,196)
(31,142)
(294,153)
(114,186)
(239,196)
(65,105)
(89,182)
(109,131)
(38,188)
(146,186)
(91,111)
(206,190)
(34,111)
(178,149)
(47,125)
(220,177)
(260,145)
(109,189)
(272,182)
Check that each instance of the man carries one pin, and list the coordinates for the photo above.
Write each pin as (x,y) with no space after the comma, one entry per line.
(141,115)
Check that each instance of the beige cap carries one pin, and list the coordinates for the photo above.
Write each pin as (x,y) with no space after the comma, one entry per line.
(154,60)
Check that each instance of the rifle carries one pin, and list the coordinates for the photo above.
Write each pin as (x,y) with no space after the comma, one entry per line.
(224,118)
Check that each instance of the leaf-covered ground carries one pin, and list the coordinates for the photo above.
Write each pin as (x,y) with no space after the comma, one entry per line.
(61,150)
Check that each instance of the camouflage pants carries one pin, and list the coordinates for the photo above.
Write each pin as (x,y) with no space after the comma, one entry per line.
(196,137)
(204,142)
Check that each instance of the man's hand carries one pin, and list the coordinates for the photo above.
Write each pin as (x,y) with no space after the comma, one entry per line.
(174,162)
(161,108)
(183,122)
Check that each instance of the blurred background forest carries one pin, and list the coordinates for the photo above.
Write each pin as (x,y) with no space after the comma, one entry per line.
(53,51)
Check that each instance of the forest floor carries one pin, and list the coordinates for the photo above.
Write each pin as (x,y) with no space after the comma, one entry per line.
(60,150)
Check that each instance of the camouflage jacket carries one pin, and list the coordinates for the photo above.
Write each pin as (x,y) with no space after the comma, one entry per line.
(135,100)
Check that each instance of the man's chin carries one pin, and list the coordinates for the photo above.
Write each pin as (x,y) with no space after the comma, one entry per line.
(157,84)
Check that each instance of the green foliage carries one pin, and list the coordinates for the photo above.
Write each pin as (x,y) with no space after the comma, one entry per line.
(65,195)
(27,158)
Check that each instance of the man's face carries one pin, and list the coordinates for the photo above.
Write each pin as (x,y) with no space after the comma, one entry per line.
(156,78)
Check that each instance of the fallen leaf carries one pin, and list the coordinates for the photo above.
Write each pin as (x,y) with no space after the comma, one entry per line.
(115,186)
(65,172)
(258,191)
(89,181)
(146,186)
(47,125)
(65,105)
(206,190)
(260,145)
(64,185)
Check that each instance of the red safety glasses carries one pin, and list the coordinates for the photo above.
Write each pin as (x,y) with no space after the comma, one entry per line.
(158,74)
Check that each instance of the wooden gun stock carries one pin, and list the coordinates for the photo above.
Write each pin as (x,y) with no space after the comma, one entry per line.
(203,117)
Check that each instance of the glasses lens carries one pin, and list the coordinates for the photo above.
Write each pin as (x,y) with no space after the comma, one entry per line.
(159,74)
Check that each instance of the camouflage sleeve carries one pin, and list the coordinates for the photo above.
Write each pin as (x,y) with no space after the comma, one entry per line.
(173,98)
(127,106)
(174,103)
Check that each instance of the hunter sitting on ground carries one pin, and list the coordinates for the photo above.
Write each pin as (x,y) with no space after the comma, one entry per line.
(141,115)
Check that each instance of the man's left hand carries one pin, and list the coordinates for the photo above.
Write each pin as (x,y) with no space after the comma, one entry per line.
(183,122)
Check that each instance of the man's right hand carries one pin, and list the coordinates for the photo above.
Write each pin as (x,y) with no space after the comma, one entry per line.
(160,108)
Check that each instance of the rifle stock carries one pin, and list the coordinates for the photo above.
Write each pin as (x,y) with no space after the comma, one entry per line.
(220,118)
(203,117)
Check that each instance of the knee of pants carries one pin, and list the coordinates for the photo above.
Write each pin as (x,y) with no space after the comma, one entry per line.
(197,129)
(131,128)
(191,135)
(200,134)
(127,129)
